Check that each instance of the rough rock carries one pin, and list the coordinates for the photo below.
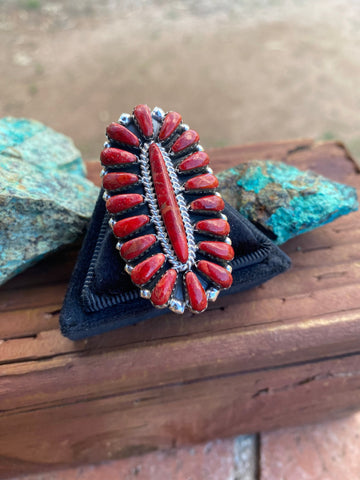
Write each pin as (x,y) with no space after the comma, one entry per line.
(39,145)
(283,200)
(44,200)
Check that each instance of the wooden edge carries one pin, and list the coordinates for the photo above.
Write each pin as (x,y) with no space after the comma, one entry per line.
(148,367)
(147,420)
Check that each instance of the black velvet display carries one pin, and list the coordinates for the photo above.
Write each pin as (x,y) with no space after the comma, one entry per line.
(101,296)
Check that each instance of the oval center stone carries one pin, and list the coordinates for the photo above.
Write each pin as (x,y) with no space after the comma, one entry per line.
(169,208)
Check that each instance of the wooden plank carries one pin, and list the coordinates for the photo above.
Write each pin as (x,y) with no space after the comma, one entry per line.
(229,156)
(329,158)
(39,324)
(75,433)
(284,353)
(28,322)
(171,360)
(20,325)
(32,297)
(325,255)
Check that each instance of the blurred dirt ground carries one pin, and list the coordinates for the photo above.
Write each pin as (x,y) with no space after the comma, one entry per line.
(238,71)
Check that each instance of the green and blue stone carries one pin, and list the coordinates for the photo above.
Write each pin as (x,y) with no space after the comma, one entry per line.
(45,199)
(283,200)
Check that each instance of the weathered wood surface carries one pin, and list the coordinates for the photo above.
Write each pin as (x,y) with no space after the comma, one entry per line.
(281,354)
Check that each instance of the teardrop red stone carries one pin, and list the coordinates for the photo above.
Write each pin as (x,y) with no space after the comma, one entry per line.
(196,160)
(121,134)
(135,247)
(214,226)
(115,180)
(167,202)
(217,249)
(127,226)
(142,114)
(114,156)
(120,203)
(196,292)
(217,274)
(202,182)
(162,291)
(211,203)
(143,272)
(185,141)
(170,124)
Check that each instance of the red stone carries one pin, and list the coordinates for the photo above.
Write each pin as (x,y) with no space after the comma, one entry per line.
(214,226)
(170,124)
(127,226)
(168,205)
(114,156)
(217,274)
(196,160)
(145,270)
(217,249)
(196,292)
(211,203)
(202,182)
(162,291)
(115,180)
(121,134)
(120,203)
(135,247)
(143,118)
(185,141)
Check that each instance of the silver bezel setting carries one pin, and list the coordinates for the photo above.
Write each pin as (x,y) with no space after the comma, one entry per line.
(171,160)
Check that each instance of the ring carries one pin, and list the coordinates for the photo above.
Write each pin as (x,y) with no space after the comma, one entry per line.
(165,211)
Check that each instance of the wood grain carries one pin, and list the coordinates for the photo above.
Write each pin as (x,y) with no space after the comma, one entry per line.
(284,353)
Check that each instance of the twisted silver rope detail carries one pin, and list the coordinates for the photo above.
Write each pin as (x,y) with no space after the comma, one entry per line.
(150,198)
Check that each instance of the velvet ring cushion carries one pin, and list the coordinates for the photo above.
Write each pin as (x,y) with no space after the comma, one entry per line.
(161,235)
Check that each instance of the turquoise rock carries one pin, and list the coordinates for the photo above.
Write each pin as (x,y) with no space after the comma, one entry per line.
(283,200)
(45,201)
(39,145)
